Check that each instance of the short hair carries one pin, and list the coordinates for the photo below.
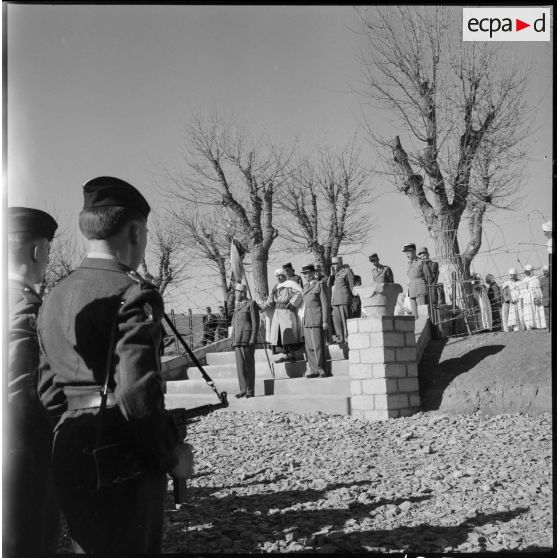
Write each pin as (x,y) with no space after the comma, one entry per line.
(99,223)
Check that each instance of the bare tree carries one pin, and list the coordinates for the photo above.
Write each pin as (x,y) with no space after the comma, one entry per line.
(330,201)
(206,237)
(231,168)
(66,253)
(165,256)
(447,98)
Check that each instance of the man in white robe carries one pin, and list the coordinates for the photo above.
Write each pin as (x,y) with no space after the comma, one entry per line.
(512,314)
(285,330)
(480,293)
(531,297)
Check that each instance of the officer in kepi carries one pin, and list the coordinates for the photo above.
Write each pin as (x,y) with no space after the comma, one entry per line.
(100,330)
(315,322)
(30,514)
(245,326)
(419,276)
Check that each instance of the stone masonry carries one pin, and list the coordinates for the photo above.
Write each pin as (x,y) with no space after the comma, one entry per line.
(383,367)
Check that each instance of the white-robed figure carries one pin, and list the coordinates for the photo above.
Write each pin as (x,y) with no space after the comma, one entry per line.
(285,330)
(480,292)
(512,311)
(531,298)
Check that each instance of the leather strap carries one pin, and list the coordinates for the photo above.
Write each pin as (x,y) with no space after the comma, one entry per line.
(89,401)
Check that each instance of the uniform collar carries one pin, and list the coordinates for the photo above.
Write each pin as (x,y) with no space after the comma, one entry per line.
(104,263)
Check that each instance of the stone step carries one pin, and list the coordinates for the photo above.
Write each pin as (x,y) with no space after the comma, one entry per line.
(226,371)
(332,385)
(228,357)
(298,369)
(200,387)
(331,404)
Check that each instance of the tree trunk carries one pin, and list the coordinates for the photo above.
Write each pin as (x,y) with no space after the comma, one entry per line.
(259,257)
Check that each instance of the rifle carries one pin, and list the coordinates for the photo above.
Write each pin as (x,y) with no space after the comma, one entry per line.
(181,418)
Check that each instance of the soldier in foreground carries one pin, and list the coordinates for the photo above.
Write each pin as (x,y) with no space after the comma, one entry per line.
(245,327)
(315,322)
(30,513)
(341,282)
(101,327)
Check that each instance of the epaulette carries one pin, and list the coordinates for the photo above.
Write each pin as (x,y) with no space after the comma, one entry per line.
(142,281)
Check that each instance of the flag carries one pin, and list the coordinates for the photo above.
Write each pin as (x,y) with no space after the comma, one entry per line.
(237,253)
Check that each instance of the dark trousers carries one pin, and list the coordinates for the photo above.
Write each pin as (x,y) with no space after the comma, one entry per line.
(496,317)
(122,519)
(315,344)
(340,313)
(245,368)
(30,509)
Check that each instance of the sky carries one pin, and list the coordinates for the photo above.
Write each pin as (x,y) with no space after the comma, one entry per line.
(107,90)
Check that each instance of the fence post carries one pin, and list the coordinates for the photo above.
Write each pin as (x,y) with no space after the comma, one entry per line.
(453,304)
(173,319)
(190,327)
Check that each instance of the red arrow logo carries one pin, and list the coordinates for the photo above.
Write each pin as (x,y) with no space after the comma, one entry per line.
(519,25)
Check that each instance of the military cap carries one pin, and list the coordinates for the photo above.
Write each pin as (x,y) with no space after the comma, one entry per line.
(512,271)
(422,250)
(547,227)
(308,268)
(28,220)
(372,256)
(287,266)
(528,267)
(409,247)
(107,191)
(279,271)
(337,259)
(241,287)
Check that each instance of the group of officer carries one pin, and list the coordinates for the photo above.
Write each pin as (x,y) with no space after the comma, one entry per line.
(83,380)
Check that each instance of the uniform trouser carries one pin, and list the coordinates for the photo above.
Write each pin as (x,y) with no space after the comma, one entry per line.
(415,302)
(121,519)
(340,313)
(30,509)
(315,345)
(496,318)
(245,368)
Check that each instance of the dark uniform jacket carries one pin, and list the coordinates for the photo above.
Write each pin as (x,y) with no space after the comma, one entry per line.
(75,325)
(494,295)
(434,270)
(245,323)
(342,287)
(419,276)
(25,411)
(316,306)
(382,274)
(545,289)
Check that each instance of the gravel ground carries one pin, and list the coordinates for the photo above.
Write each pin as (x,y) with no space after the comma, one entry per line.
(286,482)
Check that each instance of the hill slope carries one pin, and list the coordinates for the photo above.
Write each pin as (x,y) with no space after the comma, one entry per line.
(492,373)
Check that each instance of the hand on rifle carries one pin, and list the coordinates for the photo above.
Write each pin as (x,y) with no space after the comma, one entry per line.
(185,466)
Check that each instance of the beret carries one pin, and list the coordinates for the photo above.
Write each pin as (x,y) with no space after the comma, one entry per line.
(308,268)
(28,220)
(107,191)
(409,247)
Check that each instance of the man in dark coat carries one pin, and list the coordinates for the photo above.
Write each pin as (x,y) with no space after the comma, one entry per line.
(495,297)
(341,282)
(209,322)
(435,289)
(291,274)
(245,327)
(104,321)
(546,294)
(419,276)
(222,325)
(30,513)
(315,323)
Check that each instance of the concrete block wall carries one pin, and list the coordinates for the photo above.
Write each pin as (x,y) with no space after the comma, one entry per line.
(383,367)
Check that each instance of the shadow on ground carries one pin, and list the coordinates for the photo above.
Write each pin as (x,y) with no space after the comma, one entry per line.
(435,376)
